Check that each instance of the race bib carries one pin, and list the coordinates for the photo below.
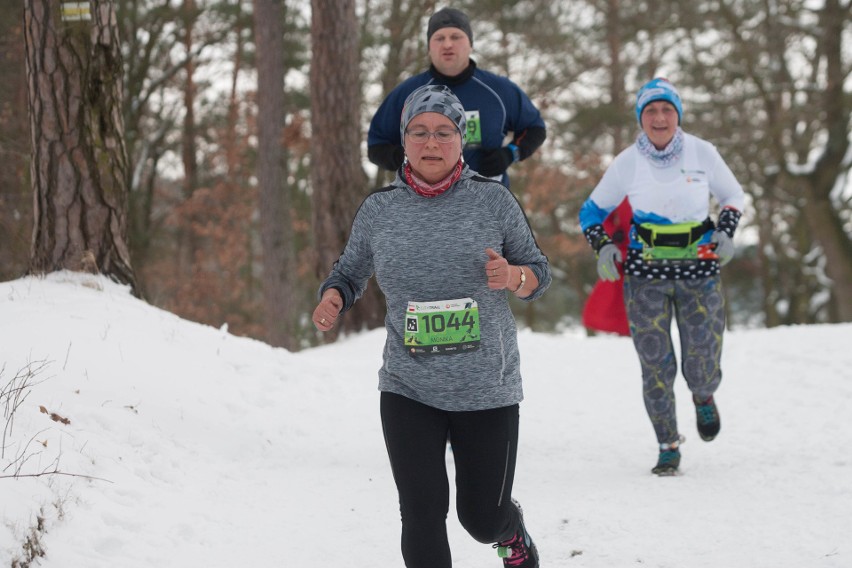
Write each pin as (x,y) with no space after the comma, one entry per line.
(473,137)
(442,327)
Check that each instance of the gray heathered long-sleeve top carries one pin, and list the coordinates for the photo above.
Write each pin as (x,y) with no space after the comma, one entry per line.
(425,249)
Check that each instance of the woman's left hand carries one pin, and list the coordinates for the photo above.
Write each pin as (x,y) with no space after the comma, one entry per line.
(326,313)
(497,270)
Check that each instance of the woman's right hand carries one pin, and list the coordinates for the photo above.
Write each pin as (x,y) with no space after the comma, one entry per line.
(326,313)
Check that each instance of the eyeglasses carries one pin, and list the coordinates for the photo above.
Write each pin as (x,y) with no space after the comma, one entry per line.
(422,136)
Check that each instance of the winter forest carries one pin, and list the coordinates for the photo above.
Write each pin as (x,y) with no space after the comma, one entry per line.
(212,153)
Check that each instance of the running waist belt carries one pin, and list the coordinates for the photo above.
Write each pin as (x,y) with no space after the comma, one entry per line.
(679,235)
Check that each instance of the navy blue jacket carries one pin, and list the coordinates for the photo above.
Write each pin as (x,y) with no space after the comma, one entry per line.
(494,106)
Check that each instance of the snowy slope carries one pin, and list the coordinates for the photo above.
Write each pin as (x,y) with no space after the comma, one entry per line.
(189,447)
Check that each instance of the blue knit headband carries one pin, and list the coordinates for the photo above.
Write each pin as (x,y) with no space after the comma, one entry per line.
(658,89)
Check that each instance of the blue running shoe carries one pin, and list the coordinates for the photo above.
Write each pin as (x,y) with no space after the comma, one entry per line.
(669,460)
(707,418)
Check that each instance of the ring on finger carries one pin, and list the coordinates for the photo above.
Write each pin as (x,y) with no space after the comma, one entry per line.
(322,321)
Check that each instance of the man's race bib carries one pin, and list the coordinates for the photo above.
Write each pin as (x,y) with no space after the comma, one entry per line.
(442,327)
(473,137)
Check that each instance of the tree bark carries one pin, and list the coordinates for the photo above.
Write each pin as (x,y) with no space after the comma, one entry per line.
(187,240)
(337,178)
(275,222)
(79,161)
(16,199)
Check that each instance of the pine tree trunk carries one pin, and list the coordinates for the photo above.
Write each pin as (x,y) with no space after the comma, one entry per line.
(275,224)
(16,199)
(338,181)
(79,161)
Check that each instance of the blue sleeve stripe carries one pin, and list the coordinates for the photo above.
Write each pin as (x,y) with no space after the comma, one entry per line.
(591,214)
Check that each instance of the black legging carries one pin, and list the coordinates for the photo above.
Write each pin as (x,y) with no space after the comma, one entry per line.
(485,445)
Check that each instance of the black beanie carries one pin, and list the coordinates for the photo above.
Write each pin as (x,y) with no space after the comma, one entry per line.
(449,18)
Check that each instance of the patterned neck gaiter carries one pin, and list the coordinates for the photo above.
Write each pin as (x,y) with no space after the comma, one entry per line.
(665,157)
(432,189)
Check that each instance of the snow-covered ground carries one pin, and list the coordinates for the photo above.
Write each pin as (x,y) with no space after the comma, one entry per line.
(188,447)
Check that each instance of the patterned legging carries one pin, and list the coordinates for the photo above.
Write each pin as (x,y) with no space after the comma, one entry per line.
(698,307)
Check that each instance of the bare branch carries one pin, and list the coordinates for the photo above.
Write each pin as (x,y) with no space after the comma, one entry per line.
(54,472)
(14,393)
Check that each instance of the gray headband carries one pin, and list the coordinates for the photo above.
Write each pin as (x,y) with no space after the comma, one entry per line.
(433,98)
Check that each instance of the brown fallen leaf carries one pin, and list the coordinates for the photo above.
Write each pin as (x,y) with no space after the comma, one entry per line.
(53,416)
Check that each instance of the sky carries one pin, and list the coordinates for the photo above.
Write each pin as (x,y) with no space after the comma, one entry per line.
(137,439)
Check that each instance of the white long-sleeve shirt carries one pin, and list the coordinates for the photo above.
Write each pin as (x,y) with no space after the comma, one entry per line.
(678,193)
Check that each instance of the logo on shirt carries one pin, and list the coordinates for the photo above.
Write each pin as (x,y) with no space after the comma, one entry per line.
(694,176)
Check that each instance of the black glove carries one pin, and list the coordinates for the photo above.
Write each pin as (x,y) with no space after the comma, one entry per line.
(387,156)
(494,161)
